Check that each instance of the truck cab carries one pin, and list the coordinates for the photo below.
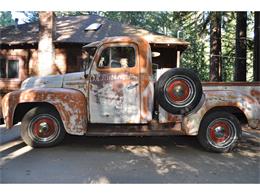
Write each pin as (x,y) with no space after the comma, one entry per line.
(120,80)
(121,92)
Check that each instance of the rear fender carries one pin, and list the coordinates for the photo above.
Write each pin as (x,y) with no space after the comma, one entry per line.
(223,98)
(70,103)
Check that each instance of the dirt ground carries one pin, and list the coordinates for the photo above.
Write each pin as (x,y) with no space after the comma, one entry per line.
(178,159)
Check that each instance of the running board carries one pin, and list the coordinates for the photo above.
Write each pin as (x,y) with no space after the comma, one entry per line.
(133,130)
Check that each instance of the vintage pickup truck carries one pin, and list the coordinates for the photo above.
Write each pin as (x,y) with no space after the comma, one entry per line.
(121,92)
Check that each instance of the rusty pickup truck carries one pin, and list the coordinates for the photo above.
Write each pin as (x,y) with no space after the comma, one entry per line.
(121,92)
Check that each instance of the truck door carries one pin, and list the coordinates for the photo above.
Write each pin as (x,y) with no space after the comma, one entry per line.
(114,95)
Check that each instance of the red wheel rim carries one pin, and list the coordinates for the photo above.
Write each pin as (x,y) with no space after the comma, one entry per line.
(178,90)
(43,128)
(220,132)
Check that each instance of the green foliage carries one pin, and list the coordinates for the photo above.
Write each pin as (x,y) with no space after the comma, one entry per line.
(228,41)
(195,28)
(74,13)
(153,21)
(6,19)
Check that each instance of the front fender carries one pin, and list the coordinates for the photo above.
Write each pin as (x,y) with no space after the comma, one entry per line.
(70,103)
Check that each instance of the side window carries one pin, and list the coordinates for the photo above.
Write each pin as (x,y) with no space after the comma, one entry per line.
(9,68)
(117,57)
(105,58)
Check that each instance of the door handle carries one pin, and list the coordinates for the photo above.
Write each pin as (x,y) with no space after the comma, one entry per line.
(132,86)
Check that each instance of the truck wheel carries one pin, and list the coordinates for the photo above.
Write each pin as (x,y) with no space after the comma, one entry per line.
(219,131)
(42,127)
(178,91)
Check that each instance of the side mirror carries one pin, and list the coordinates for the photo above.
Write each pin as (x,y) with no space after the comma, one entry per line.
(155,54)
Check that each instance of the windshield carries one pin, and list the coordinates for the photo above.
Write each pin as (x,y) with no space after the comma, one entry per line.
(88,56)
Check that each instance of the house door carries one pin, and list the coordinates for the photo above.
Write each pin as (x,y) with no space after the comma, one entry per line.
(114,95)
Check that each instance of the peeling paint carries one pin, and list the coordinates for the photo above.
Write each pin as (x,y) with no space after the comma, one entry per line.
(114,100)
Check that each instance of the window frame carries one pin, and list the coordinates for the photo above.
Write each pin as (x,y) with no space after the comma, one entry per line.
(20,66)
(106,46)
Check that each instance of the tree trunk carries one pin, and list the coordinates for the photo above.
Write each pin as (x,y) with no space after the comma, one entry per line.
(215,47)
(46,49)
(240,62)
(256,67)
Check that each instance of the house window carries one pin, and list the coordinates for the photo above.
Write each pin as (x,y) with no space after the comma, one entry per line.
(9,68)
(117,57)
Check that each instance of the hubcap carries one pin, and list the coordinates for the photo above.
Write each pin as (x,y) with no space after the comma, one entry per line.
(179,91)
(221,132)
(43,128)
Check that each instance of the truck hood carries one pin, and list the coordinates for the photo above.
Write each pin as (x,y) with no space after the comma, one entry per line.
(52,81)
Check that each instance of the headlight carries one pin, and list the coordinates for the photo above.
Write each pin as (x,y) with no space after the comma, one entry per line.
(24,83)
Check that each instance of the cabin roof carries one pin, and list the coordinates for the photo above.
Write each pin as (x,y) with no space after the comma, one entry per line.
(71,29)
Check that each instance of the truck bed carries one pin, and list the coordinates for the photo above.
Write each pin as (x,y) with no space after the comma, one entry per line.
(231,84)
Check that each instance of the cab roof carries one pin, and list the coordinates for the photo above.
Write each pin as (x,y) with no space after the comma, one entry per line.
(138,39)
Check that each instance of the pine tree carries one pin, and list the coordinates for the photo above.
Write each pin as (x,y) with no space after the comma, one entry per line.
(215,47)
(6,19)
(256,47)
(241,47)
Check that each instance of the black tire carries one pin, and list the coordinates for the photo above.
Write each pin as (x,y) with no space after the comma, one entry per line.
(184,79)
(42,127)
(219,131)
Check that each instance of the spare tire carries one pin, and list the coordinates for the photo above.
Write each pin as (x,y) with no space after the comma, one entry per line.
(178,90)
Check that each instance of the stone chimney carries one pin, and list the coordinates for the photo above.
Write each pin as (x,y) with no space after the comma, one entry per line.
(46,48)
(16,23)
